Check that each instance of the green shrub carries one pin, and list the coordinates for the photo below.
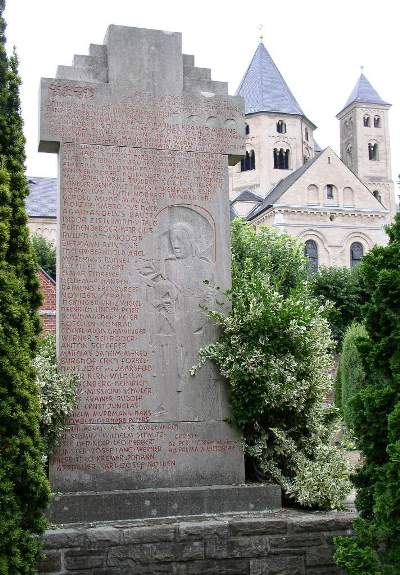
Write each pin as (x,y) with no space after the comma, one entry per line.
(274,351)
(342,287)
(351,370)
(45,252)
(57,392)
(376,417)
(338,389)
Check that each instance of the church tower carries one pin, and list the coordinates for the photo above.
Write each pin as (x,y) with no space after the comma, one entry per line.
(365,143)
(279,137)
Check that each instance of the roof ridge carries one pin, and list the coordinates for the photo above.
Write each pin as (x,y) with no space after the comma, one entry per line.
(283,185)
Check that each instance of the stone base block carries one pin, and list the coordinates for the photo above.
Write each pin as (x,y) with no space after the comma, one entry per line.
(273,543)
(87,507)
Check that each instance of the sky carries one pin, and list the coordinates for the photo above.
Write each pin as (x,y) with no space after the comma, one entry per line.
(317,45)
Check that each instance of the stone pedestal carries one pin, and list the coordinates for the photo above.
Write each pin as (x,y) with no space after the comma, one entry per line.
(144,140)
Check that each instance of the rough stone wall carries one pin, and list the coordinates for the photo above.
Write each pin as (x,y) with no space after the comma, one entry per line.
(48,308)
(280,543)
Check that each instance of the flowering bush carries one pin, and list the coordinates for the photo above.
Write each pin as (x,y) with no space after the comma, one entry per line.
(57,393)
(275,352)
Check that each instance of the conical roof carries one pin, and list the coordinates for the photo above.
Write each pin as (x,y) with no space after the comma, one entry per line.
(263,87)
(364,92)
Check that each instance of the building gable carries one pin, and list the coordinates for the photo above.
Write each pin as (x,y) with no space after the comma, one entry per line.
(325,182)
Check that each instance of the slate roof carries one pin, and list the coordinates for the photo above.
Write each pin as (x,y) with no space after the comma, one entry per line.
(364,92)
(232,213)
(317,148)
(247,196)
(280,188)
(263,87)
(42,199)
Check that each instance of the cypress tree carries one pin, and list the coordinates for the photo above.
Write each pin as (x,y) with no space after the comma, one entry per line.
(20,251)
(24,490)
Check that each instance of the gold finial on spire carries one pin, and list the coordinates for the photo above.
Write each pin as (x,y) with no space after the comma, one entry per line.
(260,29)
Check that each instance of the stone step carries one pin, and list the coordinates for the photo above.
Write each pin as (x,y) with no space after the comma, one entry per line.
(197,73)
(208,86)
(188,59)
(98,51)
(95,73)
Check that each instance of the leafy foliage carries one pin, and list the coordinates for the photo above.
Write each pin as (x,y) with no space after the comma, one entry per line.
(45,252)
(24,490)
(342,287)
(274,350)
(351,371)
(376,408)
(57,392)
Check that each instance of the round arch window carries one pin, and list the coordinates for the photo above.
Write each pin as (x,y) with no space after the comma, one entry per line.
(356,254)
(311,253)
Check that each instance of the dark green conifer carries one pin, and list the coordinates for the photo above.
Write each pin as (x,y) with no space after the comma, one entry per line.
(376,413)
(20,251)
(24,490)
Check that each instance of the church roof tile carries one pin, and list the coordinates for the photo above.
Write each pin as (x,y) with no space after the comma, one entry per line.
(263,87)
(365,93)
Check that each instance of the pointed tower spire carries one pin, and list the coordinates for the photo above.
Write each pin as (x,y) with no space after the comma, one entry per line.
(263,87)
(364,93)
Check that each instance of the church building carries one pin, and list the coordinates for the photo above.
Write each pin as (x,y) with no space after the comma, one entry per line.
(337,206)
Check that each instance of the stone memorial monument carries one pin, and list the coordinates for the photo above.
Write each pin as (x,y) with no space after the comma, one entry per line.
(144,140)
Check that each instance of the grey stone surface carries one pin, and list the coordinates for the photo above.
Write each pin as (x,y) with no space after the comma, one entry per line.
(322,555)
(144,141)
(212,567)
(207,545)
(254,546)
(148,61)
(295,541)
(162,502)
(279,565)
(51,562)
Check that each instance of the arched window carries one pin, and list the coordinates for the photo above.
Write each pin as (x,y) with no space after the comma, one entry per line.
(247,129)
(348,197)
(367,122)
(356,254)
(349,155)
(243,163)
(286,161)
(312,194)
(377,122)
(377,195)
(248,162)
(252,160)
(329,191)
(311,253)
(373,151)
(306,133)
(281,127)
(281,159)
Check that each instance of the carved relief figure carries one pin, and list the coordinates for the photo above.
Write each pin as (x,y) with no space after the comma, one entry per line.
(192,274)
(180,287)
